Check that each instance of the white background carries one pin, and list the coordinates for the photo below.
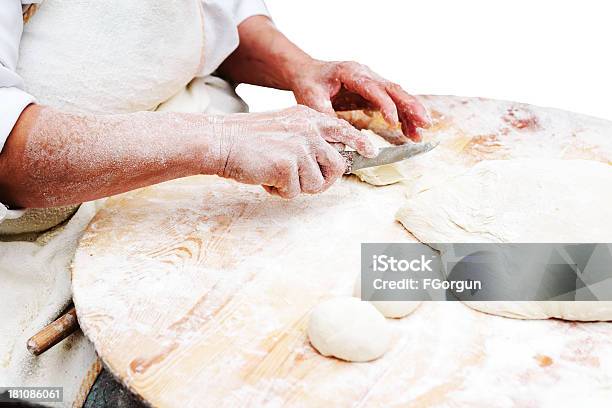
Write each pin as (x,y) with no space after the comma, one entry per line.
(544,52)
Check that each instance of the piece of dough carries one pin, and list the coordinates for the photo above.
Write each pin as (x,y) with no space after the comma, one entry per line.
(378,131)
(390,309)
(520,201)
(380,175)
(349,329)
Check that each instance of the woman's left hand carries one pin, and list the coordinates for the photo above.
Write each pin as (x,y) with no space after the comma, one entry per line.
(339,86)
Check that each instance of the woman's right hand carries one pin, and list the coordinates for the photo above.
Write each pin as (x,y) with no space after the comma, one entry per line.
(288,152)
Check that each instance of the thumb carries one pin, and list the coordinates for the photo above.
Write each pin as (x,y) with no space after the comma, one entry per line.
(316,98)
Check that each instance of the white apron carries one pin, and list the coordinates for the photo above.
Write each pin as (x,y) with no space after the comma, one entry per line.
(111,56)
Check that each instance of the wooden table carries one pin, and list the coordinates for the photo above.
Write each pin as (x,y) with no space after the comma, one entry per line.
(197,292)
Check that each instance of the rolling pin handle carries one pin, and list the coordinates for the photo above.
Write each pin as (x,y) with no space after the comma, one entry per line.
(53,333)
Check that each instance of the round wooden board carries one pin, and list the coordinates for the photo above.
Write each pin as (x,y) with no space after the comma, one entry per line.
(197,292)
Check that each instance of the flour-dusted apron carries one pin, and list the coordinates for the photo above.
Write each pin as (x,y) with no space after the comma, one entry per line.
(113,56)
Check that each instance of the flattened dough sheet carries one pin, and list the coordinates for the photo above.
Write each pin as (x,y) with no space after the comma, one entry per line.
(506,172)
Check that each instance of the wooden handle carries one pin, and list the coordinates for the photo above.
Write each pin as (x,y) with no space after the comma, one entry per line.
(348,156)
(53,333)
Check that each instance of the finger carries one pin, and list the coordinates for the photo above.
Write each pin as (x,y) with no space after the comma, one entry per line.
(410,130)
(331,163)
(288,184)
(338,146)
(311,177)
(342,132)
(408,106)
(376,94)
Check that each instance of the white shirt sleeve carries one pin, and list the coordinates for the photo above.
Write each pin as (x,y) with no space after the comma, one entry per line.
(13,99)
(244,9)
(221,20)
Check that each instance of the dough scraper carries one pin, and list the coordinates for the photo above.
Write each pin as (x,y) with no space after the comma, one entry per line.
(386,155)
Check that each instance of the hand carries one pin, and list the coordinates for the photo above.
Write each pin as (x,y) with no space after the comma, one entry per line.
(336,86)
(288,151)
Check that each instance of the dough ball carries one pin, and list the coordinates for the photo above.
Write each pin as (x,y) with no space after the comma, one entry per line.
(395,309)
(391,309)
(349,329)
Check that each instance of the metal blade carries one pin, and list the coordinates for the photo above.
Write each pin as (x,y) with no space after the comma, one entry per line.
(392,154)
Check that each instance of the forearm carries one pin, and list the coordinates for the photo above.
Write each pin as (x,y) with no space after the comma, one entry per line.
(264,57)
(53,158)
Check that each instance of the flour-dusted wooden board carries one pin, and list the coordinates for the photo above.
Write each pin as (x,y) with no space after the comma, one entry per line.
(197,293)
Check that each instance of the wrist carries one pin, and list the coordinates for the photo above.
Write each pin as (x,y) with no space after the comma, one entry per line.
(202,151)
(214,138)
